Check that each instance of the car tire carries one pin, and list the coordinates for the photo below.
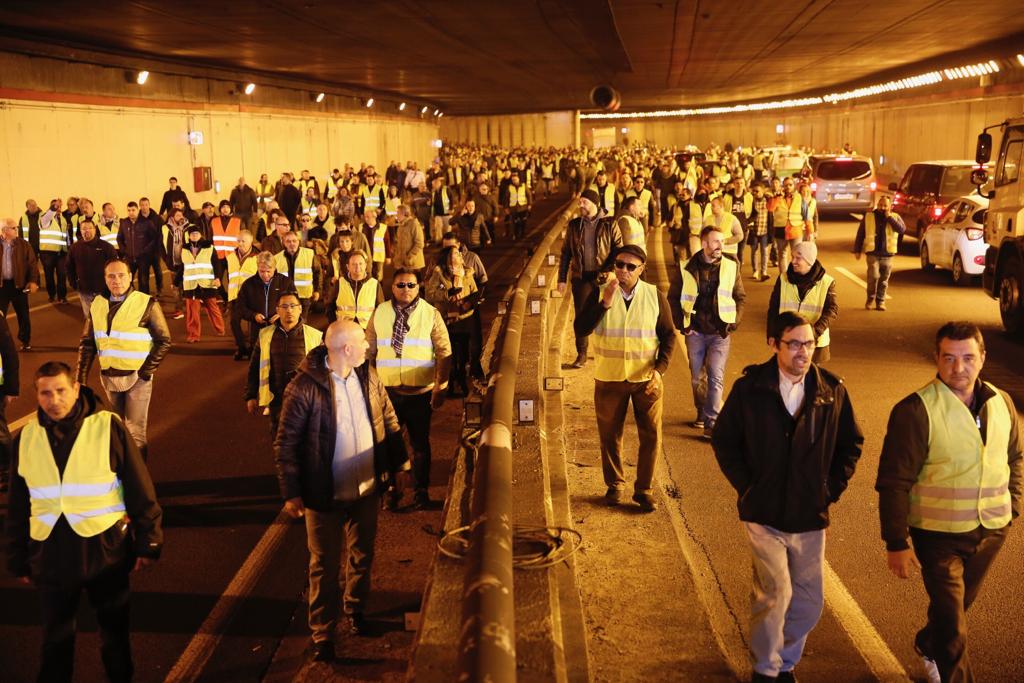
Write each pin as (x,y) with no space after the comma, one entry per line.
(960,276)
(926,263)
(1010,290)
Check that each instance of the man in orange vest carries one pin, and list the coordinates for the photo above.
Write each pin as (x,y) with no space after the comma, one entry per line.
(225,229)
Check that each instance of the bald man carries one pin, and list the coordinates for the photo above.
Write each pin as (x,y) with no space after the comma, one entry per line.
(336,398)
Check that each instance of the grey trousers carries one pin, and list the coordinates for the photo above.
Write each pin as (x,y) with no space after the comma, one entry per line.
(787,596)
(133,407)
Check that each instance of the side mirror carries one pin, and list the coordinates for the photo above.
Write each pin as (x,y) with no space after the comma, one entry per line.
(983,152)
(979,176)
(893,186)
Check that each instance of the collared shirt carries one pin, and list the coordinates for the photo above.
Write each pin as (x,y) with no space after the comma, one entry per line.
(8,260)
(352,465)
(792,393)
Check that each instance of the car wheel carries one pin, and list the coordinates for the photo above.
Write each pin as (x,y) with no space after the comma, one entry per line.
(926,263)
(960,276)
(1011,298)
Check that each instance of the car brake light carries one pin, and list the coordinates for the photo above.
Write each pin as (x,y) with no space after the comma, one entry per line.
(975,233)
(873,185)
(937,210)
(897,198)
(814,187)
(979,260)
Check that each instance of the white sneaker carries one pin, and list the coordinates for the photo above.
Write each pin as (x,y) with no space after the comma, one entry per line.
(931,669)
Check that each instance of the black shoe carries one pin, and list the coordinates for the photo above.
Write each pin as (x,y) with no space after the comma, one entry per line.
(240,354)
(614,496)
(323,651)
(392,500)
(761,678)
(26,347)
(709,429)
(581,360)
(357,625)
(62,302)
(645,501)
(421,500)
(786,676)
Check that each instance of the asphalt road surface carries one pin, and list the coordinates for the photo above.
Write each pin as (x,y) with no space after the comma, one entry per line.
(213,468)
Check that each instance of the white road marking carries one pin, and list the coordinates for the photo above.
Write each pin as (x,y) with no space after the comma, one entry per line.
(20,422)
(193,660)
(856,279)
(869,643)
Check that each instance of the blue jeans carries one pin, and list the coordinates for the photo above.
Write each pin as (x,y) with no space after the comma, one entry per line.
(879,270)
(787,597)
(758,252)
(707,354)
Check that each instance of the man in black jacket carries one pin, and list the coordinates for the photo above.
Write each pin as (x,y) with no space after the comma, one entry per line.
(66,544)
(243,204)
(86,260)
(138,243)
(788,442)
(338,441)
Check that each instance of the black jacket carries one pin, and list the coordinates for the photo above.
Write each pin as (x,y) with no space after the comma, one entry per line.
(153,320)
(304,446)
(65,557)
(85,264)
(705,318)
(11,385)
(287,351)
(786,470)
(138,241)
(256,297)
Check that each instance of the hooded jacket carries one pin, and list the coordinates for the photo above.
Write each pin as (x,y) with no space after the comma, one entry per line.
(65,558)
(304,446)
(787,470)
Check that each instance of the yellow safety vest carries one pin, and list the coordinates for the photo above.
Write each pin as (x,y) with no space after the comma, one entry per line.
(792,214)
(371,197)
(89,495)
(108,235)
(76,222)
(304,185)
(351,307)
(416,366)
(52,238)
(391,205)
(312,338)
(726,282)
(726,217)
(516,196)
(607,196)
(632,231)
(239,272)
(377,248)
(892,238)
(198,269)
(126,344)
(625,341)
(643,199)
(812,305)
(964,482)
(445,201)
(748,204)
(707,207)
(303,278)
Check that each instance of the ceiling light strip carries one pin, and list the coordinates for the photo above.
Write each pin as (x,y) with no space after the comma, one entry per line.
(918,81)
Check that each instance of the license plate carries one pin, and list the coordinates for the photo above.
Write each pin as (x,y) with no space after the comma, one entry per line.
(843,195)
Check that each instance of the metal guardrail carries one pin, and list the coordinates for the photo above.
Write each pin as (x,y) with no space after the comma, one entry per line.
(487,638)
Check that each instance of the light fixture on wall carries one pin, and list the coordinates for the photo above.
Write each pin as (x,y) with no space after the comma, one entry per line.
(440,114)
(424,110)
(401,107)
(369,103)
(319,97)
(249,87)
(142,77)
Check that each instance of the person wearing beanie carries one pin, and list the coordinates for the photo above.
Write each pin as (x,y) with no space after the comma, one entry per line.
(807,290)
(633,341)
(224,229)
(200,284)
(590,239)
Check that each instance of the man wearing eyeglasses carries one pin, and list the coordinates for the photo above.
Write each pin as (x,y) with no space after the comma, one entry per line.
(275,359)
(410,347)
(274,242)
(710,305)
(788,442)
(633,341)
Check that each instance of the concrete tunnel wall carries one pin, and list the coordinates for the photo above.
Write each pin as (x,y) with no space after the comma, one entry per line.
(77,129)
(943,126)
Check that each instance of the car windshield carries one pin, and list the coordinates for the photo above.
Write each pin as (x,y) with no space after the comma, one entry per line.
(791,162)
(843,170)
(957,181)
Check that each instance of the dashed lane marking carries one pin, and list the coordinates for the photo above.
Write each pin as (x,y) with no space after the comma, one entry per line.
(856,279)
(862,633)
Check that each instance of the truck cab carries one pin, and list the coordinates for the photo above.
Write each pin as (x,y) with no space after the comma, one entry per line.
(1003,278)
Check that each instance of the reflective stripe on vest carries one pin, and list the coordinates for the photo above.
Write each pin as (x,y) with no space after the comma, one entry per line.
(358,308)
(625,341)
(379,254)
(198,269)
(126,345)
(108,235)
(391,205)
(812,305)
(726,282)
(607,196)
(632,232)
(892,238)
(53,237)
(239,272)
(90,495)
(311,337)
(963,482)
(303,276)
(416,366)
(225,239)
(719,223)
(371,197)
(516,196)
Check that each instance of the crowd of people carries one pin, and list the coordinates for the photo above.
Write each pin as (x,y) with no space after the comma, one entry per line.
(343,362)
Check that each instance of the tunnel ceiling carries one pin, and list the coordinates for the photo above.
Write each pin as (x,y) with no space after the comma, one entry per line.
(491,56)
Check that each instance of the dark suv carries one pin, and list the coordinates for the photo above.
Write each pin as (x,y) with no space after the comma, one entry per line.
(927,189)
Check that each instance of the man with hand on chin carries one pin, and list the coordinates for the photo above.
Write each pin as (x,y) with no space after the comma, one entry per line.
(788,442)
(336,400)
(633,341)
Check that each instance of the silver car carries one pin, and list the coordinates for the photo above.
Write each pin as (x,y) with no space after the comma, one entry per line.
(843,183)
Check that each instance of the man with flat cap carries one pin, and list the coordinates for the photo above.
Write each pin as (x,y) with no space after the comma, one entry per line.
(589,242)
(633,340)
